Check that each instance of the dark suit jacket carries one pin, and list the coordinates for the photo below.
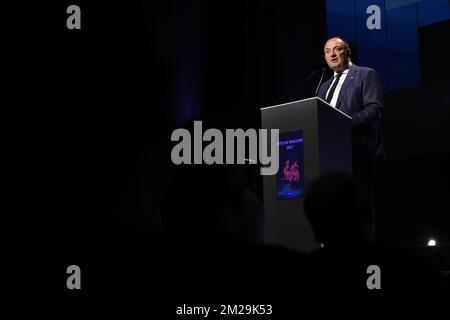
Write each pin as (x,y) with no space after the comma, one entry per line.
(362,98)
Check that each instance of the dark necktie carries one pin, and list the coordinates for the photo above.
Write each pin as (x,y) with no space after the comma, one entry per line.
(333,87)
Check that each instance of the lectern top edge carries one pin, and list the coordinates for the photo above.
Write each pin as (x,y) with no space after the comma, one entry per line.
(283,104)
(280,105)
(344,114)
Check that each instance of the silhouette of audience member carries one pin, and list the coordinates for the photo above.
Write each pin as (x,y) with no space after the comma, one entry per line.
(337,210)
(340,216)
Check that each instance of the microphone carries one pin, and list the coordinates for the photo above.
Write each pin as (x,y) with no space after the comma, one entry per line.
(320,81)
(296,87)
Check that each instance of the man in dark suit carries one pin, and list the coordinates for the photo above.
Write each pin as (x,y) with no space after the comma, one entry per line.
(358,92)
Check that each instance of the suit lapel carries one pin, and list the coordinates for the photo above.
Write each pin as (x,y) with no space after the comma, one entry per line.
(324,89)
(347,81)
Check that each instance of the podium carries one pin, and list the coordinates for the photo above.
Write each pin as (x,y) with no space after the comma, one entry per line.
(315,138)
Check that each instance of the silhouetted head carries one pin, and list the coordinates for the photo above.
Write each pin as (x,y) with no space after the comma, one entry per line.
(337,210)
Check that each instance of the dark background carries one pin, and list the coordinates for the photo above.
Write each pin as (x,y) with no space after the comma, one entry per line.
(86,111)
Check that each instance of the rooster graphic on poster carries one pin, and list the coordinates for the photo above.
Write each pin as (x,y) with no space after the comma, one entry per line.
(291,172)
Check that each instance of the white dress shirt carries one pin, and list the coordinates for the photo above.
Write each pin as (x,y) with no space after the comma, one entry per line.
(339,85)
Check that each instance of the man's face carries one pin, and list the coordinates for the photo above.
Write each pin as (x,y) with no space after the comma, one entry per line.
(336,54)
